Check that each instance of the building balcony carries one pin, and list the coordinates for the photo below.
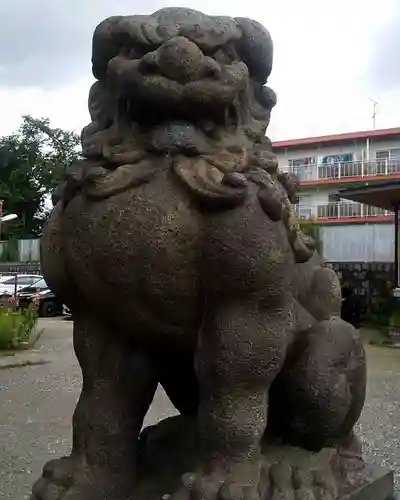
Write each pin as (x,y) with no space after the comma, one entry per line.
(345,172)
(342,212)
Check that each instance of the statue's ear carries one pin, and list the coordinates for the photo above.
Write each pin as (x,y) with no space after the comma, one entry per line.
(255,48)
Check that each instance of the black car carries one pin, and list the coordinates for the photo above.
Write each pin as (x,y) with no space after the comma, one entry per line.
(49,304)
(352,311)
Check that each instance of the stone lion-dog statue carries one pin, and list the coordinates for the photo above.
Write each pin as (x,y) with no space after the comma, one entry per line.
(175,245)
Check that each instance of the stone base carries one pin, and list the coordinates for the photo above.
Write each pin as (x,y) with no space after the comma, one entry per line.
(379,485)
(170,449)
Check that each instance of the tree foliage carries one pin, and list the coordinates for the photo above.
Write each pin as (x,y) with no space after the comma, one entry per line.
(33,161)
(313,229)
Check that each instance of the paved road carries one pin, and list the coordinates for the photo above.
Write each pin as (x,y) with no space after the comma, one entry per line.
(37,402)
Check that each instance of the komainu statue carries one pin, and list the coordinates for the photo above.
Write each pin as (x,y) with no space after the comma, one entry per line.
(175,246)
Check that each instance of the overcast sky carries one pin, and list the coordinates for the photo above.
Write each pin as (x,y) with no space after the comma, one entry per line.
(331,56)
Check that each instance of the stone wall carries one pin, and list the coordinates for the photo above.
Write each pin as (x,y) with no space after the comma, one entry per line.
(372,283)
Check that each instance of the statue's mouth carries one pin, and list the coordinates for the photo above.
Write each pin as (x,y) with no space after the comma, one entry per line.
(180,97)
(178,81)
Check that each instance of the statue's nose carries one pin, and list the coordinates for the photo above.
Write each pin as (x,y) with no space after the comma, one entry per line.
(179,59)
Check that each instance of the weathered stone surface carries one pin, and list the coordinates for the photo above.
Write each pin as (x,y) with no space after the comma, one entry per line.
(378,487)
(176,247)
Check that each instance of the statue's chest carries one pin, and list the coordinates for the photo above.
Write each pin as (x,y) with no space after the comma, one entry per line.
(146,241)
(156,241)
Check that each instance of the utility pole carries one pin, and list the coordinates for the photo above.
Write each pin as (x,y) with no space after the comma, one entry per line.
(375,107)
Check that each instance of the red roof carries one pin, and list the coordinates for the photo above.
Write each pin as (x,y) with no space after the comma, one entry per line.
(326,139)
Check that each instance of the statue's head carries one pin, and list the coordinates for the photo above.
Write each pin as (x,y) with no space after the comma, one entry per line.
(181,82)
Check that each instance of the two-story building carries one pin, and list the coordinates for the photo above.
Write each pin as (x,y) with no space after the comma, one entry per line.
(324,166)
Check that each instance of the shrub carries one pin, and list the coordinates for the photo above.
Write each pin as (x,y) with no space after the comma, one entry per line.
(16,326)
(394,320)
(9,251)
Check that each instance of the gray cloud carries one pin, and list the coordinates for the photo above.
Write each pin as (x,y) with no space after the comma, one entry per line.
(384,66)
(45,43)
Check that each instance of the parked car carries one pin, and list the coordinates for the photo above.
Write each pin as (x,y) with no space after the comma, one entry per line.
(8,284)
(351,307)
(49,304)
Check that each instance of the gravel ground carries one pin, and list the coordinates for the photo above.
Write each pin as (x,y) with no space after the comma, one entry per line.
(37,403)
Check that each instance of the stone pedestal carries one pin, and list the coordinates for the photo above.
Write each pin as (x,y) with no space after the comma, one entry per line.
(170,449)
(378,487)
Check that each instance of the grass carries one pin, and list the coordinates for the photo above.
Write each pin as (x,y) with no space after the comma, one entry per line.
(17,328)
(377,335)
(7,353)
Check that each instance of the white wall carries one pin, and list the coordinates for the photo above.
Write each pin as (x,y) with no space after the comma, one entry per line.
(29,250)
(310,198)
(341,243)
(358,242)
(355,147)
(317,195)
(385,144)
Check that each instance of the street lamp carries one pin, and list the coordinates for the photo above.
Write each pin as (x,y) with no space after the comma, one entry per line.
(8,217)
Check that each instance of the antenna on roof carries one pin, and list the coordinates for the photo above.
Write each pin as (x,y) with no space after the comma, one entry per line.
(376,106)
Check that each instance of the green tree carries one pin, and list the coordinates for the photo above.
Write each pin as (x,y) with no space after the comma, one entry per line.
(33,160)
(313,229)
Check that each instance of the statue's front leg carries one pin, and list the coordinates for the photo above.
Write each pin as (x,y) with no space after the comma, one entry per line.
(118,387)
(241,349)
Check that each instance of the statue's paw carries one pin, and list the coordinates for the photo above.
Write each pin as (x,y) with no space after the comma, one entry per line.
(56,480)
(284,482)
(325,485)
(62,480)
(348,462)
(215,486)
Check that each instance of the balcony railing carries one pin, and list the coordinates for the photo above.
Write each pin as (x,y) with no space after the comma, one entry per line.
(339,210)
(343,170)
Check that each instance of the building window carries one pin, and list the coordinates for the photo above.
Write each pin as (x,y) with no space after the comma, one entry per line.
(387,154)
(302,162)
(336,166)
(387,161)
(382,155)
(337,159)
(302,167)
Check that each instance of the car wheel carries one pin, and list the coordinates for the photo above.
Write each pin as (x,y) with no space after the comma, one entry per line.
(48,309)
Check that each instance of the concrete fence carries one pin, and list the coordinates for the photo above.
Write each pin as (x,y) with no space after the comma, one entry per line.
(341,243)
